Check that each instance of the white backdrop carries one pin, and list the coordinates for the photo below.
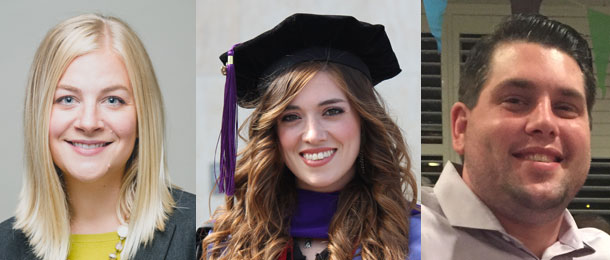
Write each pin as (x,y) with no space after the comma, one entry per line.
(167,30)
(220,24)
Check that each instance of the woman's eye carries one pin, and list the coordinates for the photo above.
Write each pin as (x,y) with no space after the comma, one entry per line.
(333,111)
(289,118)
(66,100)
(115,100)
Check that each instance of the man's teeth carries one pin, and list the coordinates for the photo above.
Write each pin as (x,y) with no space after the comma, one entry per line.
(539,158)
(318,156)
(88,146)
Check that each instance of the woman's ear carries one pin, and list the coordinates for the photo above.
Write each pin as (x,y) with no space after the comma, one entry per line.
(459,121)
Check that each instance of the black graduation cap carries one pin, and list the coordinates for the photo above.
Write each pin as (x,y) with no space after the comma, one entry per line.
(309,37)
(299,38)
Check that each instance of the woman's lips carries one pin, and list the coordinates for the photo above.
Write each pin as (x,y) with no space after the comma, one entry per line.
(317,157)
(88,148)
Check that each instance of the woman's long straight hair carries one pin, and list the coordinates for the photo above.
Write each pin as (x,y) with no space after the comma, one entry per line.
(43,211)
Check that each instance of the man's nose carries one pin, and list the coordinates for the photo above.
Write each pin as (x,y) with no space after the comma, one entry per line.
(542,120)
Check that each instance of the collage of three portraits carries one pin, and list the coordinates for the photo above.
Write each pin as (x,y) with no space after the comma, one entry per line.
(308,130)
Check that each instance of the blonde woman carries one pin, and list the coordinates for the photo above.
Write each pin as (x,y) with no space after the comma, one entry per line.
(325,173)
(96,186)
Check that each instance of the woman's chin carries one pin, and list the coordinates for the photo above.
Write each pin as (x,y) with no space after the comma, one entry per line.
(87,173)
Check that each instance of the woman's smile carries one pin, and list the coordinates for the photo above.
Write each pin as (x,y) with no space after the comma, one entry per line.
(93,124)
(320,135)
(318,157)
(88,147)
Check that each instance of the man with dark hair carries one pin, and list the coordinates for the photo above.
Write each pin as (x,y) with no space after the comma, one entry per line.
(522,128)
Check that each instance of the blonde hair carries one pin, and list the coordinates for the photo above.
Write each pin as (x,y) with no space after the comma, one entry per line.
(373,209)
(145,199)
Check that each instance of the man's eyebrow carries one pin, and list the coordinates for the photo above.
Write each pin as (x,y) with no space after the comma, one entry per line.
(528,85)
(517,83)
(567,92)
(323,103)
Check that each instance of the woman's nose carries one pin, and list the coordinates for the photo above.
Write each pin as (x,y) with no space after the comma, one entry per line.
(314,132)
(89,119)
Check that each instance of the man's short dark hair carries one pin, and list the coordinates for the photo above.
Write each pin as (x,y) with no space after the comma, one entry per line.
(532,28)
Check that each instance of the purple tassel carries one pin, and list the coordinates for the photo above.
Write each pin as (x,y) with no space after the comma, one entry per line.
(228,131)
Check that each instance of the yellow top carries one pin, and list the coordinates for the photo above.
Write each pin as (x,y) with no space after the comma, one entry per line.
(93,246)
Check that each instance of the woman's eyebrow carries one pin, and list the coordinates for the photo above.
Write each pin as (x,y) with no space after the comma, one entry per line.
(323,103)
(114,88)
(292,107)
(330,101)
(105,90)
(69,88)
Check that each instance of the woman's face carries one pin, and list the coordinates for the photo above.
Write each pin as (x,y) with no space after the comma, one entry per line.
(319,135)
(93,125)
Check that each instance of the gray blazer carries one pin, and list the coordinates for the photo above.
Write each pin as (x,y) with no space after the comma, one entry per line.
(176,242)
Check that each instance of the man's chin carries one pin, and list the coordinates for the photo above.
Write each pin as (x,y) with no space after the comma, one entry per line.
(540,197)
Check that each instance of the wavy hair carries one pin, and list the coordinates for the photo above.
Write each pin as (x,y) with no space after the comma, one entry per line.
(145,201)
(373,209)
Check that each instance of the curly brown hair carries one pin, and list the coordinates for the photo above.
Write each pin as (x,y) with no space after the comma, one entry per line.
(373,208)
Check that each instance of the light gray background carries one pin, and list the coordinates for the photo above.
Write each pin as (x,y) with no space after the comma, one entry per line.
(220,24)
(167,30)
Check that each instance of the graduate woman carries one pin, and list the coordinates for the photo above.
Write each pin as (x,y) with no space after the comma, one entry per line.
(95,185)
(325,172)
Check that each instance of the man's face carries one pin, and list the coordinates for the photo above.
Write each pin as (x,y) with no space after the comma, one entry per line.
(526,144)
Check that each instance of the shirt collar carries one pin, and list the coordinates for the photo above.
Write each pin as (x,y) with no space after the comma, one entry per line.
(464,209)
(568,232)
(461,206)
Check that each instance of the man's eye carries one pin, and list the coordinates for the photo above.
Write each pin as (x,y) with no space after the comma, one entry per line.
(567,110)
(514,100)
